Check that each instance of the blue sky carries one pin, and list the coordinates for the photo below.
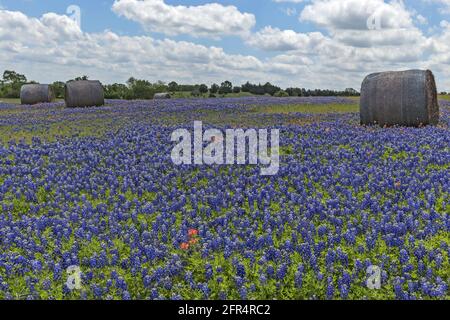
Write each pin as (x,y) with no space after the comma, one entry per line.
(311,43)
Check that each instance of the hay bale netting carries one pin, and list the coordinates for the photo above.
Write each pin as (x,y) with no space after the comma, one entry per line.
(163,95)
(405,98)
(84,93)
(36,93)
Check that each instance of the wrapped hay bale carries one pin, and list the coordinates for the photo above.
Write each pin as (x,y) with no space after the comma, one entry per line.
(84,93)
(36,93)
(163,95)
(406,98)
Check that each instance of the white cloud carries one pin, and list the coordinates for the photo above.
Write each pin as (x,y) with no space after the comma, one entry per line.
(274,39)
(353,14)
(421,19)
(209,20)
(55,43)
(53,47)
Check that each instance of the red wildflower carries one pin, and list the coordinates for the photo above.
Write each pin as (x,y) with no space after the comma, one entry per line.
(192,232)
(184,246)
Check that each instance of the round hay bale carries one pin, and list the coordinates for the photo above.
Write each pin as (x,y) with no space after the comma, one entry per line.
(36,93)
(84,93)
(162,95)
(405,98)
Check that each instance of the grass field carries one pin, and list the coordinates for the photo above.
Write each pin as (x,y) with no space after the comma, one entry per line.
(187,95)
(307,108)
(7,100)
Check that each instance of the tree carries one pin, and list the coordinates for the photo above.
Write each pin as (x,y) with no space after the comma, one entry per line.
(117,91)
(214,88)
(81,78)
(58,88)
(271,89)
(246,87)
(11,84)
(13,77)
(173,86)
(203,88)
(139,89)
(236,89)
(226,87)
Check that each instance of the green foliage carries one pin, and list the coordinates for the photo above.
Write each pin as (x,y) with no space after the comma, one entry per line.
(11,84)
(116,91)
(58,89)
(214,89)
(226,87)
(203,88)
(281,93)
(173,86)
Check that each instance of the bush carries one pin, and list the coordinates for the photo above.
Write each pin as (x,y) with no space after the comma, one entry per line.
(281,93)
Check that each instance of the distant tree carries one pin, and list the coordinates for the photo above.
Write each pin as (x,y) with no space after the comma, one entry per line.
(10,76)
(236,89)
(139,89)
(173,86)
(351,92)
(271,89)
(226,87)
(281,93)
(203,88)
(81,78)
(214,88)
(58,89)
(294,92)
(117,91)
(246,87)
(11,84)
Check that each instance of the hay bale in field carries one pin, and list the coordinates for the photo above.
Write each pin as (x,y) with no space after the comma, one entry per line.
(36,93)
(84,93)
(406,98)
(162,95)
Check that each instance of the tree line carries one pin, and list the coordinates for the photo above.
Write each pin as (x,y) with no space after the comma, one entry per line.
(143,89)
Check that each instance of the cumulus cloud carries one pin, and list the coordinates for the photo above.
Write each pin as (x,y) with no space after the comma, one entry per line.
(55,42)
(53,47)
(354,14)
(209,20)
(348,49)
(274,39)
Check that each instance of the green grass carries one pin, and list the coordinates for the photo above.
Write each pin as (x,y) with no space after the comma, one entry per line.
(187,95)
(8,100)
(446,97)
(17,100)
(307,108)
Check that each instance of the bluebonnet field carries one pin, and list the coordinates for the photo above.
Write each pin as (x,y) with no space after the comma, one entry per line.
(96,188)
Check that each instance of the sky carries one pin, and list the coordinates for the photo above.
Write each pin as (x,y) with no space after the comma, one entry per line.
(330,44)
